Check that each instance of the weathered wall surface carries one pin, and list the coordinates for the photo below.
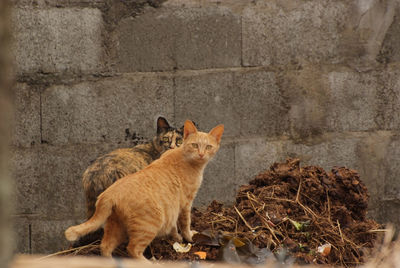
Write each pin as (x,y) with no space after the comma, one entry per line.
(319,80)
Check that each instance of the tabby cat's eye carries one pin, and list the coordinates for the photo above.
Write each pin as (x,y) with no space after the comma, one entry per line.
(195,145)
(179,141)
(165,139)
(208,147)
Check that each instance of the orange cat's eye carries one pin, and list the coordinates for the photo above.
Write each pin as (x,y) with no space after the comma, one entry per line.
(209,147)
(195,145)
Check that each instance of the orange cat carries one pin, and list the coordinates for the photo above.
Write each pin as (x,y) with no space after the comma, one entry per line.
(155,201)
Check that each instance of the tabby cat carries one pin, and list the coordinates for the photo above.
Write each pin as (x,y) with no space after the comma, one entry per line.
(110,167)
(155,201)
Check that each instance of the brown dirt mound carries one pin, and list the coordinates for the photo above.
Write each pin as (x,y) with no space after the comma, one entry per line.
(286,207)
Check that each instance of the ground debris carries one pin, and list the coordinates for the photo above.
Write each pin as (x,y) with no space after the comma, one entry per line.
(288,211)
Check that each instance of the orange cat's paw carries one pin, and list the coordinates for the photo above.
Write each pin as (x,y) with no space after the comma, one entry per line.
(189,235)
(71,234)
(177,238)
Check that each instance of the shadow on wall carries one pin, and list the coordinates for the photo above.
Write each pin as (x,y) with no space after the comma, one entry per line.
(6,104)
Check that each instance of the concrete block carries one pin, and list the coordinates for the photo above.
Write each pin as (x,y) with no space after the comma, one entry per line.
(48,235)
(391,163)
(219,178)
(374,161)
(263,110)
(28,183)
(211,39)
(390,49)
(62,193)
(389,99)
(389,212)
(252,156)
(292,32)
(57,40)
(48,181)
(22,235)
(179,38)
(209,99)
(366,29)
(104,111)
(26,116)
(382,21)
(336,101)
(353,104)
(306,97)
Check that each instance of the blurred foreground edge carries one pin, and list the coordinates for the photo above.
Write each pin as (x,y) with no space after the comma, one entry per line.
(387,255)
(6,240)
(35,261)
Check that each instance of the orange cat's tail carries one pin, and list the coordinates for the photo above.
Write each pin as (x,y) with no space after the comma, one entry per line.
(103,211)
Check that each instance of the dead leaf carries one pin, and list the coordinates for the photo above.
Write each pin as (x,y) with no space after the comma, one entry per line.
(181,248)
(206,238)
(325,249)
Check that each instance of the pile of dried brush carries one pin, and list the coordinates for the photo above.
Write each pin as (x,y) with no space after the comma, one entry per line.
(300,209)
(297,214)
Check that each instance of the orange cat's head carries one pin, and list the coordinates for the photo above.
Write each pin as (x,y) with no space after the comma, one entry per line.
(201,146)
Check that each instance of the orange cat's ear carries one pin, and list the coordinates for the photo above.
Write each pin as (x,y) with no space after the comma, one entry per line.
(217,132)
(188,128)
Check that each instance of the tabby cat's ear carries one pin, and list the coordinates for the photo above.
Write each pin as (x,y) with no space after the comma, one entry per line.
(217,132)
(188,128)
(162,125)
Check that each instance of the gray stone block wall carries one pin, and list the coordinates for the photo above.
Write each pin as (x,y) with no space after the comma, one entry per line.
(308,79)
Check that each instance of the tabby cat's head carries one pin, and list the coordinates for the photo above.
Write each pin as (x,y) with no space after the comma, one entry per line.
(200,146)
(167,137)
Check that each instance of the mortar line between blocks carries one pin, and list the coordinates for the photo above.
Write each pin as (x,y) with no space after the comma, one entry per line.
(241,41)
(40,116)
(174,98)
(30,237)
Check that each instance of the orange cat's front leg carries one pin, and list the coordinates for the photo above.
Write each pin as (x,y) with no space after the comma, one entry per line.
(175,235)
(184,224)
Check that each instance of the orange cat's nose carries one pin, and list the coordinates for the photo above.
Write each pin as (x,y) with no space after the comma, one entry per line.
(201,155)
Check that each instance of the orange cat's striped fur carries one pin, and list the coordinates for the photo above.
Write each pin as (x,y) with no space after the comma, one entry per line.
(155,201)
